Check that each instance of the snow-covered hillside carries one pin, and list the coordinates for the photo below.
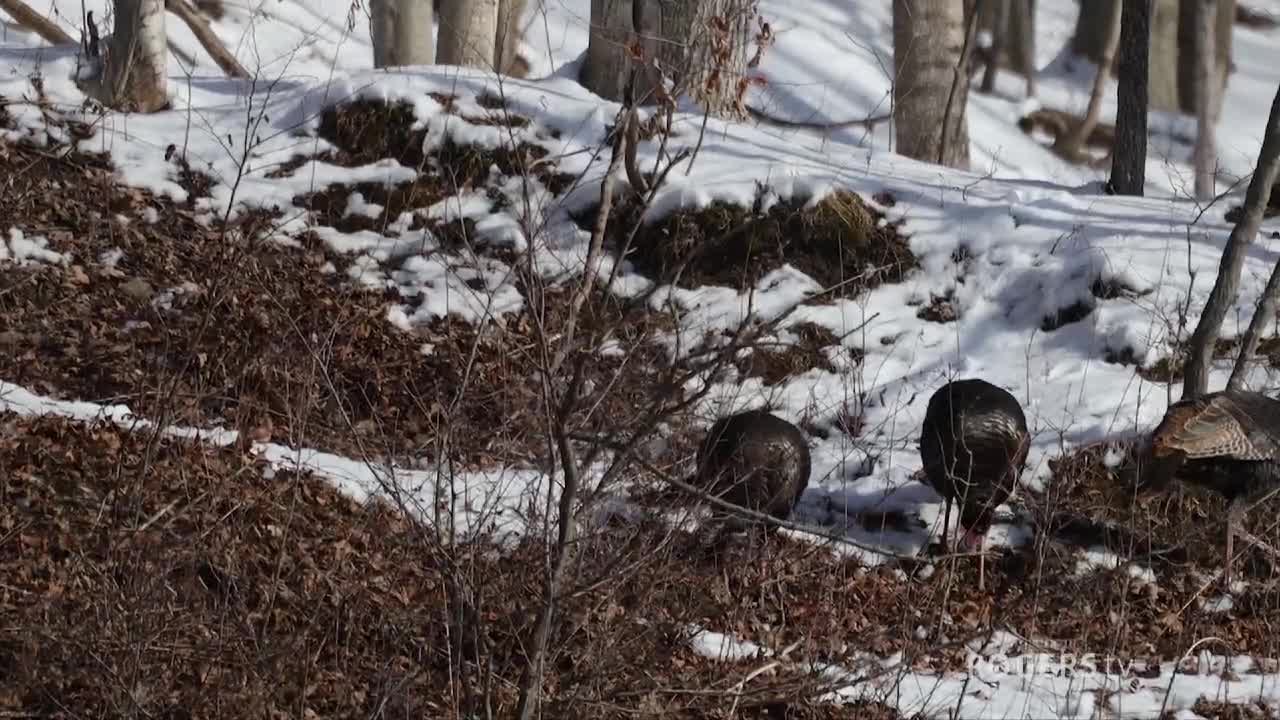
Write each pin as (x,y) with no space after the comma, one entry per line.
(1053,290)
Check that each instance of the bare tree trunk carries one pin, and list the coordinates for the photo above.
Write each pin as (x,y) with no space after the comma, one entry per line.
(1191,27)
(401,32)
(1205,155)
(1129,154)
(1024,24)
(507,43)
(1090,37)
(1227,284)
(1172,48)
(703,45)
(134,75)
(468,33)
(1070,144)
(995,20)
(25,16)
(928,40)
(209,40)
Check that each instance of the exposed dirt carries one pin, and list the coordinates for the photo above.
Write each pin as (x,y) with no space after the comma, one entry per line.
(839,242)
(777,363)
(941,309)
(1169,369)
(1073,313)
(367,131)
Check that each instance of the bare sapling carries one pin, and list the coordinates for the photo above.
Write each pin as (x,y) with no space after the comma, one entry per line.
(1227,284)
(1069,145)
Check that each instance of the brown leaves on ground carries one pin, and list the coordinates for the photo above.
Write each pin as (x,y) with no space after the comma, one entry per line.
(202,326)
(178,580)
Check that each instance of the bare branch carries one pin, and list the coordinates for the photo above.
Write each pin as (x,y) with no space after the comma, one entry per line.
(208,40)
(1227,284)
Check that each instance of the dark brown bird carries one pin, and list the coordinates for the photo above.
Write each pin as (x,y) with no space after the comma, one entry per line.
(1226,441)
(756,461)
(974,444)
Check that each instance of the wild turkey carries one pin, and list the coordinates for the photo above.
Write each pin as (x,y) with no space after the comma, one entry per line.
(755,460)
(1226,441)
(974,444)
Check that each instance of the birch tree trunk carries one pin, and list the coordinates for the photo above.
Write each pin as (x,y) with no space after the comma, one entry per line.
(1227,285)
(701,45)
(928,40)
(401,32)
(134,75)
(468,33)
(1129,154)
(1204,159)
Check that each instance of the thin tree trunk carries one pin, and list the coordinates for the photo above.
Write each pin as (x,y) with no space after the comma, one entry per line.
(997,13)
(1129,154)
(1070,144)
(468,32)
(134,76)
(400,31)
(507,43)
(1227,284)
(1205,155)
(199,27)
(1024,17)
(928,39)
(32,20)
(702,45)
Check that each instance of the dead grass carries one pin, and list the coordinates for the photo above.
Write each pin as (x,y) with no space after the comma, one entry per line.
(841,242)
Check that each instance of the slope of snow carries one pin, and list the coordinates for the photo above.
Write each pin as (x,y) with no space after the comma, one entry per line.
(1038,233)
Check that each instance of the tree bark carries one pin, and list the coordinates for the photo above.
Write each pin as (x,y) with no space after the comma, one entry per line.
(1204,158)
(1022,42)
(1227,284)
(702,45)
(134,76)
(1129,155)
(994,18)
(928,39)
(1070,144)
(507,43)
(1012,27)
(28,18)
(401,32)
(199,27)
(468,33)
(1173,28)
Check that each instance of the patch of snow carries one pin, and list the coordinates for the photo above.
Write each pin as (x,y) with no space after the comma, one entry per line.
(30,250)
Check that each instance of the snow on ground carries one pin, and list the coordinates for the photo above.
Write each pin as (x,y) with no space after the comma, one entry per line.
(1005,681)
(1038,235)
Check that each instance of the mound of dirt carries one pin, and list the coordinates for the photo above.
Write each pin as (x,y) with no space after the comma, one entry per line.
(366,131)
(839,242)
